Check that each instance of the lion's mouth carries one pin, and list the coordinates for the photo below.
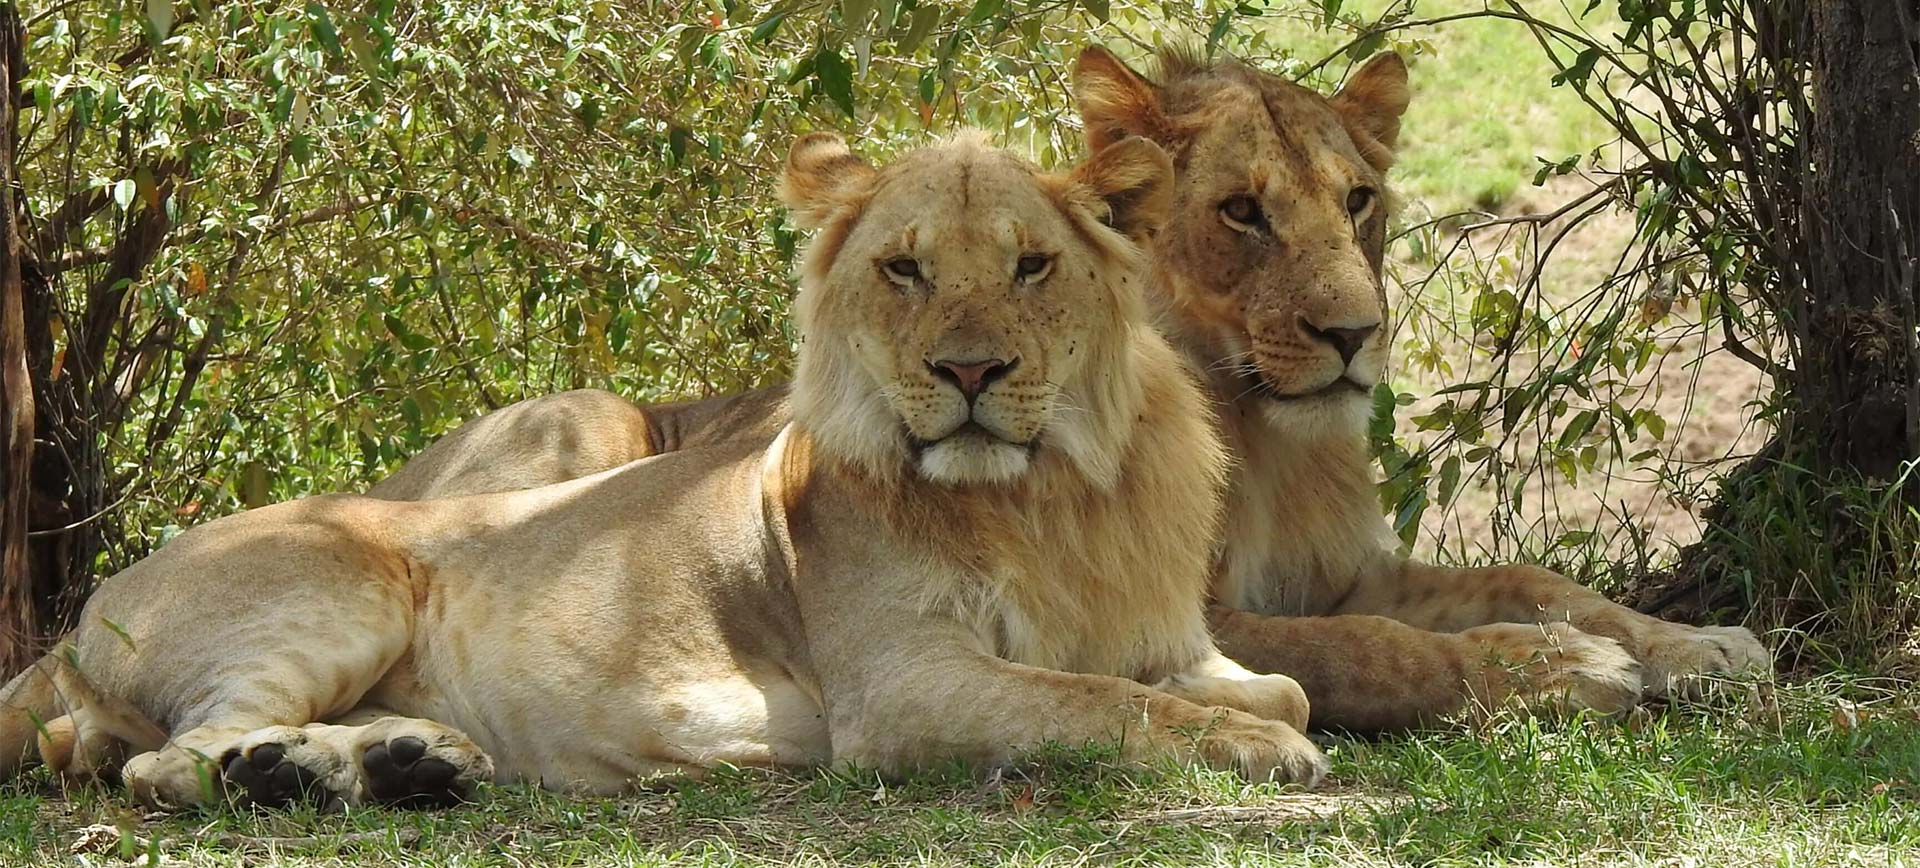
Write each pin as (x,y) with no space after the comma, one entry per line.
(969,428)
(1342,385)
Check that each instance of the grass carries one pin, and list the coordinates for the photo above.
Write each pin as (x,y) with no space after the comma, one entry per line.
(1775,778)
(1483,107)
(1483,110)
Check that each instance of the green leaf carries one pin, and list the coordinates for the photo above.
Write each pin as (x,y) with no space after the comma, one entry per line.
(160,15)
(929,84)
(123,193)
(1449,478)
(1573,538)
(1578,72)
(590,112)
(854,15)
(677,145)
(1406,522)
(1582,423)
(119,631)
(924,17)
(1099,9)
(1365,46)
(1514,407)
(765,30)
(1655,424)
(836,78)
(1219,30)
(983,10)
(322,24)
(1380,426)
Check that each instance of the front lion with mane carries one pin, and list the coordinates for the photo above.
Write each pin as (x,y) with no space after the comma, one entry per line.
(1269,273)
(987,526)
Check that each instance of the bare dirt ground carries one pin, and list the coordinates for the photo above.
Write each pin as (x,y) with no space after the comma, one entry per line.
(1649,508)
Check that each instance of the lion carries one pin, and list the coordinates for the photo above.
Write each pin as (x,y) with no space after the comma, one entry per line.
(1271,270)
(1269,278)
(987,526)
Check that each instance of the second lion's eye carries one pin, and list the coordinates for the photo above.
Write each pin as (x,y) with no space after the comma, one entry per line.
(1358,199)
(903,270)
(1240,213)
(1033,267)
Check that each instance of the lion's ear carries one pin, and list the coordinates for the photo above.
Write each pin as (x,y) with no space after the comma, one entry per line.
(822,176)
(1115,102)
(1370,105)
(1134,178)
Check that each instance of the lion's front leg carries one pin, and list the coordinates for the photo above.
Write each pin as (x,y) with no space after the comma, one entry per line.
(966,705)
(1218,680)
(1674,657)
(1369,673)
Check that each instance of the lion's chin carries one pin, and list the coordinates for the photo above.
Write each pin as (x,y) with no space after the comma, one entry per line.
(973,458)
(1332,414)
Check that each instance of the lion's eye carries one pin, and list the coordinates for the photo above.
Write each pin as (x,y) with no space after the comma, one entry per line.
(1358,200)
(1241,213)
(1033,266)
(903,270)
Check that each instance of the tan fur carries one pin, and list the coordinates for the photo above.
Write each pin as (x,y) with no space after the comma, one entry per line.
(1303,535)
(556,438)
(53,713)
(903,575)
(1390,641)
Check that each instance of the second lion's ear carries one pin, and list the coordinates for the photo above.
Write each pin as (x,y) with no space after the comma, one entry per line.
(822,177)
(1134,178)
(1370,106)
(1115,102)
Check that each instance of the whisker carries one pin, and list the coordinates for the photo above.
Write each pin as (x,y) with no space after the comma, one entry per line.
(1236,360)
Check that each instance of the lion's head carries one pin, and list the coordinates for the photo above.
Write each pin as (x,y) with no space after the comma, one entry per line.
(1271,258)
(965,316)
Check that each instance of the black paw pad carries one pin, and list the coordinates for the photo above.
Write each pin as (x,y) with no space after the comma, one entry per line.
(270,779)
(399,772)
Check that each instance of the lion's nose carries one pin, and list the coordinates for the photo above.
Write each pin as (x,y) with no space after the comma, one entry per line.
(971,378)
(1346,341)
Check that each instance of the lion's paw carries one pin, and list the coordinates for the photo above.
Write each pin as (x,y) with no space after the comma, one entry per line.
(172,778)
(1683,661)
(1272,697)
(280,765)
(393,760)
(1261,750)
(1562,667)
(438,769)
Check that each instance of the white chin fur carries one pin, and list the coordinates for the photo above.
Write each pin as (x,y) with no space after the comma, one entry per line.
(972,459)
(1320,417)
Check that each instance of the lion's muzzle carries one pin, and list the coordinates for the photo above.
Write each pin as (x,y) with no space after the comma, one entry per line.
(972,378)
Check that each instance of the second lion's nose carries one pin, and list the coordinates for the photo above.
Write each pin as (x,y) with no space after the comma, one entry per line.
(1346,341)
(971,377)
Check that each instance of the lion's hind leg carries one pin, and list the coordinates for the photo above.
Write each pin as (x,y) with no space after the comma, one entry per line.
(93,738)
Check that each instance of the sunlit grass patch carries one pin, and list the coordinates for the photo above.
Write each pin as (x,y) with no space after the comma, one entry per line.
(1761,776)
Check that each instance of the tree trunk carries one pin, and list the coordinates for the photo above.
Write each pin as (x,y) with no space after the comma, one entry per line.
(1855,382)
(1804,529)
(18,633)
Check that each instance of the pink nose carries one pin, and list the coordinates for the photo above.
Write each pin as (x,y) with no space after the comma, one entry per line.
(971,378)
